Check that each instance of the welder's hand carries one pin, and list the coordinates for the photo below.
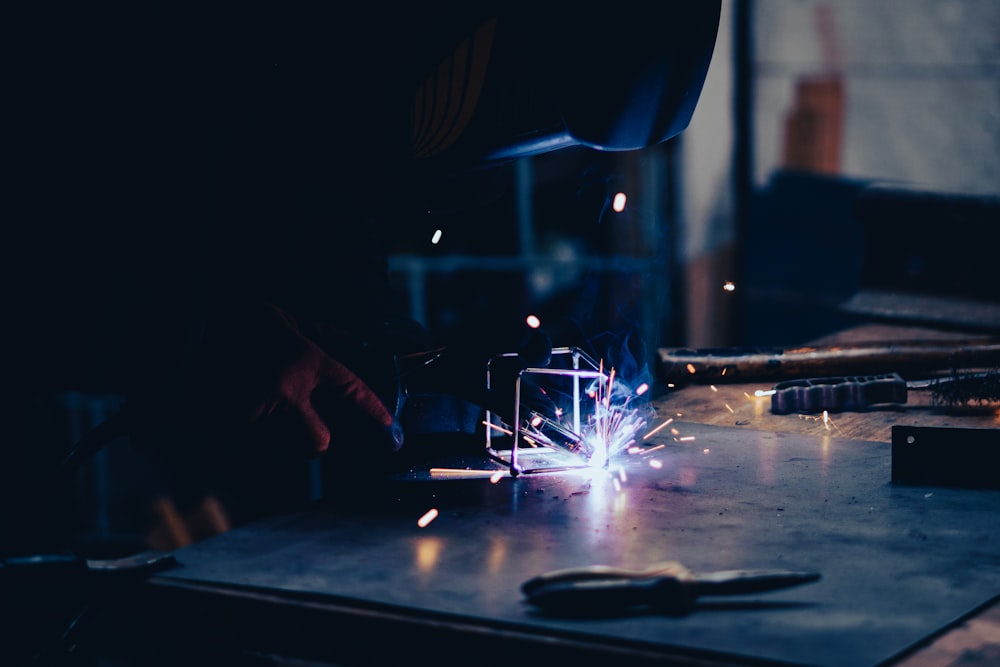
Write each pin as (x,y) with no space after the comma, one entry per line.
(258,382)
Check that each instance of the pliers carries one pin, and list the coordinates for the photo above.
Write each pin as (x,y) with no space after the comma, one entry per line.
(668,587)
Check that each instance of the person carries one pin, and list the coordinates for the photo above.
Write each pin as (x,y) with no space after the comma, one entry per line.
(193,227)
(201,203)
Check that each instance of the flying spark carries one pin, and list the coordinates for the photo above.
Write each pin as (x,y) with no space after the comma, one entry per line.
(618,203)
(428,516)
(437,236)
(497,427)
(658,428)
(605,423)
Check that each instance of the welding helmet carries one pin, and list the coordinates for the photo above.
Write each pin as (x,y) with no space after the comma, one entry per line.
(520,84)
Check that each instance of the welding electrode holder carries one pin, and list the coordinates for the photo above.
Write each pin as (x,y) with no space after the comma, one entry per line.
(447,391)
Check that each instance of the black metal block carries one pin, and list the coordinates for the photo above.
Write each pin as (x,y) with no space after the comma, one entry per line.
(943,456)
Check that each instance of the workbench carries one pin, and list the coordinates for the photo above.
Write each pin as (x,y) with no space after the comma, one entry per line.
(910,574)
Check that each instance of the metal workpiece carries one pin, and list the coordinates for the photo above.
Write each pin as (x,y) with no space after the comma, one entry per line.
(898,562)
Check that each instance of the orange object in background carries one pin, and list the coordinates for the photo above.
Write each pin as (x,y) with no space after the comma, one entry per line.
(814,128)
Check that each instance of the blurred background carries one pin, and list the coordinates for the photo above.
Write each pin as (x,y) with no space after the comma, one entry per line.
(742,230)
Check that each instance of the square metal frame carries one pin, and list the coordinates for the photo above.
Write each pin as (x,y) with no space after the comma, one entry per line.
(576,372)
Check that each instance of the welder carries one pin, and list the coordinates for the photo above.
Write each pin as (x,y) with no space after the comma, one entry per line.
(203,199)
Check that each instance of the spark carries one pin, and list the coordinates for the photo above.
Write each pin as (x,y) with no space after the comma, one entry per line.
(612,425)
(618,203)
(437,236)
(607,423)
(653,449)
(658,428)
(428,516)
(497,427)
(533,321)
(760,393)
(714,388)
(827,422)
(496,477)
(634,449)
(729,408)
(674,431)
(706,450)
(468,473)
(729,286)
(618,485)
(611,381)
(691,369)
(825,418)
(655,463)
(686,438)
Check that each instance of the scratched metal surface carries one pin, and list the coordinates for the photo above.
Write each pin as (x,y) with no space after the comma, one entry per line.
(898,563)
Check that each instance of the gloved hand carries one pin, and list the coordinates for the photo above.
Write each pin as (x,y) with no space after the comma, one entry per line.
(256,381)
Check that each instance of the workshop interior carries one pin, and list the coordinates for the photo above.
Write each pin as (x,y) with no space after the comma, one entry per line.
(622,213)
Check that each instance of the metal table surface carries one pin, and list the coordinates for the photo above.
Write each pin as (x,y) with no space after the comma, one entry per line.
(898,563)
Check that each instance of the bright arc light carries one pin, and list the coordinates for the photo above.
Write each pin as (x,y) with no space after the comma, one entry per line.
(533,321)
(618,203)
(437,236)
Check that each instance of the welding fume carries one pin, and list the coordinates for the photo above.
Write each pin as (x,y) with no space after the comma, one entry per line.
(204,205)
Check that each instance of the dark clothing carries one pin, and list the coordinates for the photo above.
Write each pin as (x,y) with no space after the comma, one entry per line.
(165,165)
